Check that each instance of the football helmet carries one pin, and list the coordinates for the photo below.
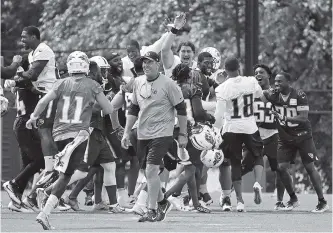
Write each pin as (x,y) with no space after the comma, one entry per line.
(212,158)
(216,56)
(78,63)
(202,137)
(101,62)
(4,105)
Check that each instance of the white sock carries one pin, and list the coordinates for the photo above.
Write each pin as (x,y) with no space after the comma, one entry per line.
(49,162)
(203,188)
(226,192)
(50,204)
(142,198)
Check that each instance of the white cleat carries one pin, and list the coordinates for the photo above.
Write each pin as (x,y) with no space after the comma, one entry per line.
(13,206)
(240,207)
(257,193)
(225,203)
(43,220)
(116,209)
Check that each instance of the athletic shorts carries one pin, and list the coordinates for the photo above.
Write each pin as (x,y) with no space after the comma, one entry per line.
(46,118)
(233,143)
(28,141)
(98,149)
(287,151)
(76,157)
(270,150)
(152,151)
(120,154)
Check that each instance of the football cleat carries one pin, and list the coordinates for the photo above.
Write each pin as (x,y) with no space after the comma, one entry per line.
(43,220)
(279,206)
(47,179)
(206,198)
(116,208)
(100,206)
(321,207)
(73,203)
(31,203)
(291,204)
(62,206)
(13,206)
(163,210)
(176,202)
(240,207)
(13,191)
(257,193)
(150,216)
(225,203)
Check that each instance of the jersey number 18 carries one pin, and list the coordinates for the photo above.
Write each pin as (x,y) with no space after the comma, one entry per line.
(247,109)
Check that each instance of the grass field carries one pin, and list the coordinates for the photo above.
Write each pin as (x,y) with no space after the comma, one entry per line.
(257,218)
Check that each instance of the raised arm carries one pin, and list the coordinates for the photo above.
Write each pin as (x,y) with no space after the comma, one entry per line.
(167,54)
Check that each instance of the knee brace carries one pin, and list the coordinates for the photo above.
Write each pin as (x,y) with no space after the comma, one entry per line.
(109,176)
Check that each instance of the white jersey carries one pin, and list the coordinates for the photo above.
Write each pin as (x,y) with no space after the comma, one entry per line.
(176,61)
(47,77)
(239,94)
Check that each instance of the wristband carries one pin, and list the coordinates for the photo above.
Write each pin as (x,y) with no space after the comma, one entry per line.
(174,31)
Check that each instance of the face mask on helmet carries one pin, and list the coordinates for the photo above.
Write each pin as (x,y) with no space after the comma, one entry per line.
(78,63)
(202,137)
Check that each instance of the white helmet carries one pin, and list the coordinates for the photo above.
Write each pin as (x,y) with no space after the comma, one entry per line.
(101,61)
(216,56)
(77,63)
(202,137)
(212,158)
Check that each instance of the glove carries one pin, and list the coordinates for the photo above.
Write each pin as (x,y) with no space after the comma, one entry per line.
(9,83)
(4,105)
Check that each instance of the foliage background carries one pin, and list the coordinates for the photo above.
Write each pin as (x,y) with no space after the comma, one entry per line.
(295,36)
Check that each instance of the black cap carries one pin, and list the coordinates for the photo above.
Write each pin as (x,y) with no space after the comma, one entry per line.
(231,64)
(151,56)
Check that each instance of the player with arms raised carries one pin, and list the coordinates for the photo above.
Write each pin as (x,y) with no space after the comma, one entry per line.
(291,109)
(235,106)
(76,96)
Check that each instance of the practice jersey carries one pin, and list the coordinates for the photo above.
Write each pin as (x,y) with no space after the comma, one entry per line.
(264,117)
(47,77)
(239,94)
(296,102)
(76,96)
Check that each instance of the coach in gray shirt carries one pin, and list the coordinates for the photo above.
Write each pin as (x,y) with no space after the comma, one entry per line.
(155,99)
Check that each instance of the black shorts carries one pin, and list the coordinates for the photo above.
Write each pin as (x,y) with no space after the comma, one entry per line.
(152,151)
(46,118)
(270,150)
(120,154)
(287,151)
(233,142)
(76,157)
(28,141)
(98,149)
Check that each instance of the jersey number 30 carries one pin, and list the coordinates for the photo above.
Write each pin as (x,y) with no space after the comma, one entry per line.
(77,111)
(247,109)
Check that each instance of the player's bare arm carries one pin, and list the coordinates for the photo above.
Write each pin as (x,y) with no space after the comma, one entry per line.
(167,54)
(117,102)
(41,105)
(104,103)
(219,114)
(132,117)
(34,71)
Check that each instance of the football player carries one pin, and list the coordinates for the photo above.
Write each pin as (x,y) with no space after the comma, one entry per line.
(269,135)
(235,107)
(192,96)
(77,95)
(42,74)
(291,109)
